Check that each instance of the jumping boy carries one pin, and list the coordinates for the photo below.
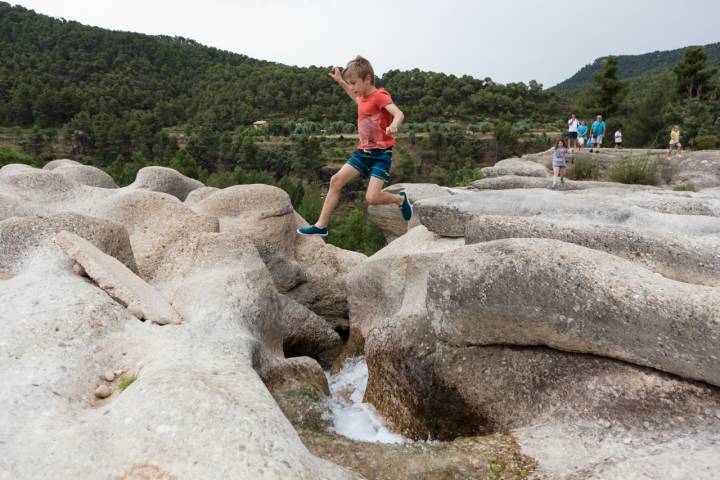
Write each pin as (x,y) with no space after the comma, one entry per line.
(378,122)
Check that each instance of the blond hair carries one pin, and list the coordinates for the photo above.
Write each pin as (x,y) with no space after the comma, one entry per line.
(359,67)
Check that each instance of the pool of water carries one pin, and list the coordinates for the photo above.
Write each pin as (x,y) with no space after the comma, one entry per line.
(351,417)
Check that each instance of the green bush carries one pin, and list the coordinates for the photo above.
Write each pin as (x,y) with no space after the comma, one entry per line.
(311,204)
(356,232)
(9,155)
(706,142)
(583,168)
(635,170)
(684,187)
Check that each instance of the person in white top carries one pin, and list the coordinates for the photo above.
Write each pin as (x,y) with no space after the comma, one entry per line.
(618,138)
(573,124)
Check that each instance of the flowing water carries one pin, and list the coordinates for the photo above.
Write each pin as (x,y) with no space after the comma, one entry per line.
(351,417)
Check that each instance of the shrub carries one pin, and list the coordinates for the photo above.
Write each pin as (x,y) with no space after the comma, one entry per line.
(706,142)
(356,232)
(9,155)
(635,170)
(684,187)
(311,204)
(583,168)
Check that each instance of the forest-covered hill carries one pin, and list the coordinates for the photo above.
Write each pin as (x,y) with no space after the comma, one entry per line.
(52,69)
(638,69)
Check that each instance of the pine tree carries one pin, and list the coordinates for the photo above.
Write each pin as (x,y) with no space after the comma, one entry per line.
(693,77)
(609,91)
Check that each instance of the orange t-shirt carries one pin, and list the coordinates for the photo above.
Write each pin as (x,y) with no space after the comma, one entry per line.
(373,119)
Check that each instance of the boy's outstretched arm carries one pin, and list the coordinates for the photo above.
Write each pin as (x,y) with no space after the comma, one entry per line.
(398,118)
(337,76)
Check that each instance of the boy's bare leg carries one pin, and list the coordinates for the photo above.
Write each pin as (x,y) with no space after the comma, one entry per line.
(345,175)
(375,195)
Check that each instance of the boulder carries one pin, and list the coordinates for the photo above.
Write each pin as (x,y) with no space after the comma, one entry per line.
(435,372)
(154,221)
(305,333)
(676,256)
(141,299)
(14,168)
(21,237)
(193,382)
(448,216)
(60,162)
(11,206)
(262,213)
(388,275)
(515,166)
(86,175)
(699,169)
(574,299)
(200,194)
(165,180)
(324,290)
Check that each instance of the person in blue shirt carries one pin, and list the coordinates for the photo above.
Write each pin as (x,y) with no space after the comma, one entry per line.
(598,132)
(582,134)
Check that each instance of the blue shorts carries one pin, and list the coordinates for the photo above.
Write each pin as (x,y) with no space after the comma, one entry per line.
(573,135)
(372,163)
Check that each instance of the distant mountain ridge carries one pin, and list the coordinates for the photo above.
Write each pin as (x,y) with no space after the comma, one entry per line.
(634,66)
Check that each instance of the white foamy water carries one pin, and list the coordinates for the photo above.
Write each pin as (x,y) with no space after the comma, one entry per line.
(353,418)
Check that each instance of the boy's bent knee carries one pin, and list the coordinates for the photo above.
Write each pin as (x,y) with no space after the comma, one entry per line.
(336,182)
(372,199)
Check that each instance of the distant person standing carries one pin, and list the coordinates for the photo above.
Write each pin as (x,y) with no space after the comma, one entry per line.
(559,152)
(598,133)
(582,134)
(573,124)
(675,145)
(618,138)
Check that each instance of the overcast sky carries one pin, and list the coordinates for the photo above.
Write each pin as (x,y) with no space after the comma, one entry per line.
(507,40)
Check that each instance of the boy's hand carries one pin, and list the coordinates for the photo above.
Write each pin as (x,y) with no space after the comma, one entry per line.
(391,131)
(335,74)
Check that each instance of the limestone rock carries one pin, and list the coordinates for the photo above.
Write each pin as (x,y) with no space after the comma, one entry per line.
(20,237)
(154,221)
(591,302)
(687,259)
(86,175)
(665,212)
(165,180)
(299,386)
(57,327)
(304,333)
(200,194)
(508,182)
(60,162)
(515,166)
(14,168)
(11,206)
(116,279)
(388,275)
(326,268)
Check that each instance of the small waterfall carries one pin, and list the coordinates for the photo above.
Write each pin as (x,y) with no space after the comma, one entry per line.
(353,418)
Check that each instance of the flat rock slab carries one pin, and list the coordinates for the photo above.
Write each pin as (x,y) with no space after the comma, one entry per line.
(142,300)
(675,256)
(659,211)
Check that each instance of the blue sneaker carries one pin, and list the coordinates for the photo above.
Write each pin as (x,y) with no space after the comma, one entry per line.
(312,230)
(405,207)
